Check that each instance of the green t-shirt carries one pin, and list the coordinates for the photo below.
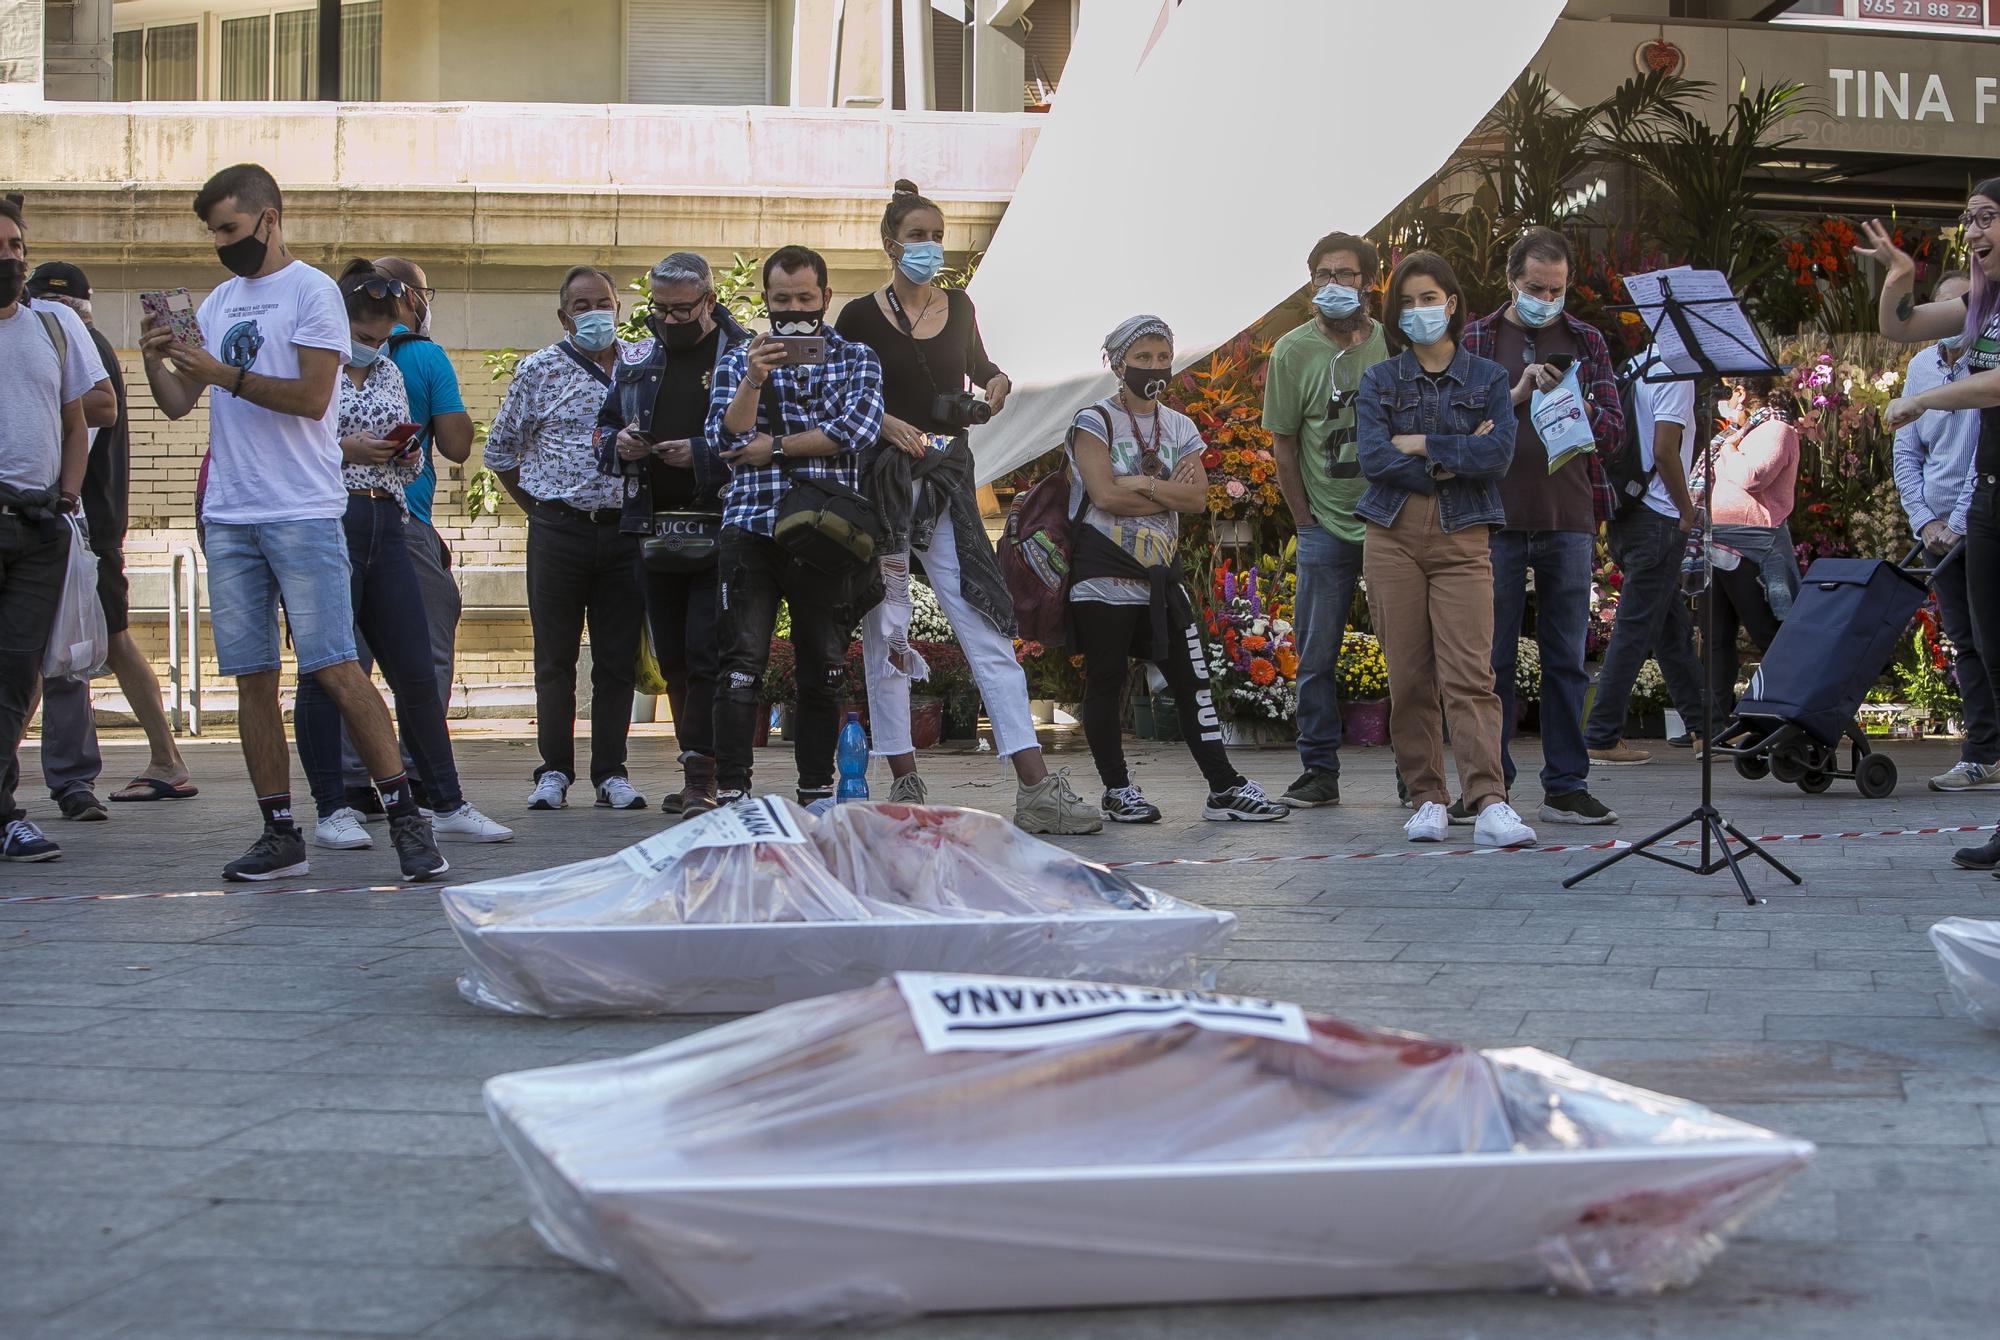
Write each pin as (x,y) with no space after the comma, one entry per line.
(1306,368)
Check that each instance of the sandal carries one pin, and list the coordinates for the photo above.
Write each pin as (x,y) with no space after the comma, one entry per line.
(155,789)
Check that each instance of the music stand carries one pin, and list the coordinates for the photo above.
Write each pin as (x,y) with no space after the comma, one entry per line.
(1700,333)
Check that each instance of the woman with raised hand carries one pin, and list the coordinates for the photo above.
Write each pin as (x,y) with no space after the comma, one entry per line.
(920,477)
(1137,463)
(1435,434)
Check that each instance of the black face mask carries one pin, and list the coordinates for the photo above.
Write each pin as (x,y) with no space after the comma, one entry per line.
(797,323)
(245,256)
(677,336)
(1146,383)
(13,274)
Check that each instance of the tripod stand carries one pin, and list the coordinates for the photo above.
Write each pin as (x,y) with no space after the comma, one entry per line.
(1697,362)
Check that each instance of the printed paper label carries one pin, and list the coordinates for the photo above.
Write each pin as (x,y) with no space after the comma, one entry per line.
(761,819)
(960,1012)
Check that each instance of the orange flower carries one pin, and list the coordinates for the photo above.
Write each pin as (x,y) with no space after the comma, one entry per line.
(1288,664)
(1254,643)
(1262,671)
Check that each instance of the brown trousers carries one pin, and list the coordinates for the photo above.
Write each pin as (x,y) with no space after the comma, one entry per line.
(1435,593)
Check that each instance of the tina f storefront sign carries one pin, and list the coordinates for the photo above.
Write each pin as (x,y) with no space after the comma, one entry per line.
(1894,93)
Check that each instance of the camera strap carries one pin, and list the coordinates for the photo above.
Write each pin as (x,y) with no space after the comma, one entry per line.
(910,329)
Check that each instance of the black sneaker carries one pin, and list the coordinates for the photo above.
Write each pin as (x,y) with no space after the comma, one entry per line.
(1979,858)
(365,802)
(1461,814)
(1312,790)
(22,841)
(1685,740)
(1245,802)
(1576,807)
(1125,805)
(278,853)
(416,847)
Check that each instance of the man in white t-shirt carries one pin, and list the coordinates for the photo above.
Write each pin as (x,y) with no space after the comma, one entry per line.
(274,339)
(49,366)
(1647,541)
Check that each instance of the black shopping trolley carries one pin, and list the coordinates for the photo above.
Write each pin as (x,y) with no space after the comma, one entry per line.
(1848,619)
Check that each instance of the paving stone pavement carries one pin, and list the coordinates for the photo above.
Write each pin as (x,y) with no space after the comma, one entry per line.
(251,1116)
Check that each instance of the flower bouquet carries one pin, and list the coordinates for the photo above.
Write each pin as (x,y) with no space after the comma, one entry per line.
(1253,663)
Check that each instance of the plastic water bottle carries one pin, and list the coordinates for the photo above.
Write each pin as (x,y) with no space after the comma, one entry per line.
(852,758)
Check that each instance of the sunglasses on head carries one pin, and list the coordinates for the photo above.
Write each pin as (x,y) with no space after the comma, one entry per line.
(377,287)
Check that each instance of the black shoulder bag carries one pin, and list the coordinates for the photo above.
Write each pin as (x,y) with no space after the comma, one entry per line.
(822,523)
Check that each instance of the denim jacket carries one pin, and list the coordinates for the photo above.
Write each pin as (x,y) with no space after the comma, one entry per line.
(1397,397)
(634,388)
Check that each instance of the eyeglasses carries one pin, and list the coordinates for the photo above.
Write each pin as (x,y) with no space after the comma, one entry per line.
(1344,278)
(377,287)
(429,295)
(680,313)
(1981,220)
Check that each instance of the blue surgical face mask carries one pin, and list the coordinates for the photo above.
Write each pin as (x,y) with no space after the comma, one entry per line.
(595,331)
(361,355)
(1425,325)
(1337,302)
(921,261)
(1536,312)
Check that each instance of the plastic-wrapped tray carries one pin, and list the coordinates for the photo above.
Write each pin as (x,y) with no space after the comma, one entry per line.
(761,903)
(952,1143)
(1969,951)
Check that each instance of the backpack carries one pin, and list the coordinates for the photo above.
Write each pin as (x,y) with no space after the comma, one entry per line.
(1625,464)
(1034,553)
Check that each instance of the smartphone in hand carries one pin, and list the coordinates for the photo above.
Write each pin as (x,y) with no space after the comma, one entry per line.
(405,433)
(803,349)
(174,308)
(1560,362)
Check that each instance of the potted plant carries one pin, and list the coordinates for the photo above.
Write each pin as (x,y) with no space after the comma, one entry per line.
(949,676)
(1364,690)
(1253,663)
(1646,715)
(1527,685)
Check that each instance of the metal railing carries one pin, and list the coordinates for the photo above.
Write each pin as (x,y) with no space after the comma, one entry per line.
(184,646)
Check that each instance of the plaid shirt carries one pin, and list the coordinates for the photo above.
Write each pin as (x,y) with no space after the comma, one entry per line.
(1600,387)
(842,398)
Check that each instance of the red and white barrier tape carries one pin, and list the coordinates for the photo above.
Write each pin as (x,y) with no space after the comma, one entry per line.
(1614,844)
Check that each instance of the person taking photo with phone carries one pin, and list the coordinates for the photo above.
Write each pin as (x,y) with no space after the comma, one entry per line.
(1551,516)
(379,459)
(920,476)
(792,411)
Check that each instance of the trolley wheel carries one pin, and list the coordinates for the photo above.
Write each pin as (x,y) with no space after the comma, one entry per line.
(1788,764)
(1876,776)
(1815,782)
(1753,767)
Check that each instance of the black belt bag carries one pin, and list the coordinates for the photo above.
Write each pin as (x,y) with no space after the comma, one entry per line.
(826,525)
(682,542)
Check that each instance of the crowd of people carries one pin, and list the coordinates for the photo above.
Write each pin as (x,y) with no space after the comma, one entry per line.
(691,481)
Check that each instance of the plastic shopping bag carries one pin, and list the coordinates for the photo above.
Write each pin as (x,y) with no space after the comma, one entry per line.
(1562,419)
(79,642)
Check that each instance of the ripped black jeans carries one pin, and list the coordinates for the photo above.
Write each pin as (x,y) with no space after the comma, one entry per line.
(756,574)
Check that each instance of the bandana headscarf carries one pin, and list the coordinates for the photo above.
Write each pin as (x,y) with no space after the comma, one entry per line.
(1130,332)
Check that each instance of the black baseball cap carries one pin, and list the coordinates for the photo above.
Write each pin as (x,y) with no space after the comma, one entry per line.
(58,279)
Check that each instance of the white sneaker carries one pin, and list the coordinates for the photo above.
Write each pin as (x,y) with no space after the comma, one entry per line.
(617,794)
(551,792)
(341,831)
(1964,776)
(1499,826)
(1431,823)
(466,824)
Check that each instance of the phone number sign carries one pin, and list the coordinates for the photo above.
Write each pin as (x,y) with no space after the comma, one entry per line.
(1967,13)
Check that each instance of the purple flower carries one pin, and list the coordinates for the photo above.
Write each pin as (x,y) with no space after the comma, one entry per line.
(1229,588)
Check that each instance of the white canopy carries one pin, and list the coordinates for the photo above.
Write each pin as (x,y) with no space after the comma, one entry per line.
(1196,150)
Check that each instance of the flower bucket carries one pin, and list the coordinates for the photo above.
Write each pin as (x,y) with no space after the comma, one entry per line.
(1166,719)
(1365,723)
(926,720)
(1142,716)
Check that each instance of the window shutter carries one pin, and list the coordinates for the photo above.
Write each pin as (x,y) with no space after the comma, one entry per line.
(698,51)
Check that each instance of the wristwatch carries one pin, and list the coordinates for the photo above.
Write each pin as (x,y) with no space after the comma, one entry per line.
(777,447)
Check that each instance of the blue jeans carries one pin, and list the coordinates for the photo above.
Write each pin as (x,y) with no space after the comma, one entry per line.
(251,566)
(1561,564)
(389,608)
(1328,569)
(1652,621)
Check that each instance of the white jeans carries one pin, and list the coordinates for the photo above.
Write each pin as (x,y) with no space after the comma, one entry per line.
(987,650)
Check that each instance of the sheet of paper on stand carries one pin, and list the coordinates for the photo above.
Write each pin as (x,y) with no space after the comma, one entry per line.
(1970,953)
(761,902)
(946,1143)
(1715,318)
